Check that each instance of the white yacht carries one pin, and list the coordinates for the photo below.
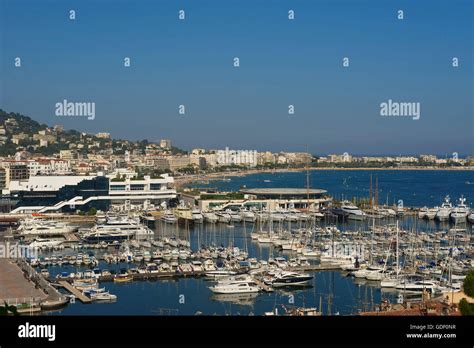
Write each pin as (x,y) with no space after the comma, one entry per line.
(169,218)
(210,217)
(431,213)
(40,227)
(352,212)
(388,282)
(460,213)
(220,273)
(416,284)
(235,285)
(248,216)
(197,216)
(291,279)
(223,217)
(470,217)
(445,210)
(235,217)
(422,212)
(45,243)
(116,232)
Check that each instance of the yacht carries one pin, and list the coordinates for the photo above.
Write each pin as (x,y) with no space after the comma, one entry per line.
(460,213)
(291,279)
(235,217)
(223,217)
(386,212)
(470,217)
(416,284)
(100,295)
(235,288)
(445,210)
(45,243)
(248,216)
(431,213)
(210,217)
(197,216)
(116,232)
(220,273)
(352,212)
(169,218)
(40,227)
(388,282)
(422,212)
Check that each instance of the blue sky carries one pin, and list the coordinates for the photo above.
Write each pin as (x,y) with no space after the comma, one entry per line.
(282,62)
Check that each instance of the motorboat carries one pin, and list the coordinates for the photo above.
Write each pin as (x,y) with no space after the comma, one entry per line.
(416,284)
(197,217)
(248,216)
(470,218)
(220,273)
(41,227)
(118,230)
(352,212)
(210,217)
(460,213)
(235,217)
(123,278)
(223,217)
(45,243)
(431,213)
(291,279)
(238,287)
(169,218)
(445,210)
(100,295)
(422,212)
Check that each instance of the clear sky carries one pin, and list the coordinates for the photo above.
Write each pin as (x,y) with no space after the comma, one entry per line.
(283,62)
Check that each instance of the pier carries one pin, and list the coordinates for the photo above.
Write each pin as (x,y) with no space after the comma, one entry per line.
(78,294)
(24,288)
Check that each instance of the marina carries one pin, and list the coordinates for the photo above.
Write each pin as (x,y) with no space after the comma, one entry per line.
(252,253)
(238,247)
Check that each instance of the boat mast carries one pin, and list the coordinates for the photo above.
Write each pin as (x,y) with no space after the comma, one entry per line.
(307,182)
(397,270)
(377,191)
(370,193)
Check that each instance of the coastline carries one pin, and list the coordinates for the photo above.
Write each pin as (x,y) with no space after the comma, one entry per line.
(186,179)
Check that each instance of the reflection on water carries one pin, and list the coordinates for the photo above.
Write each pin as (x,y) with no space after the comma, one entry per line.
(331,292)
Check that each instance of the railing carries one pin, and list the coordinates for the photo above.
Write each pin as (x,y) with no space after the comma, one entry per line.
(38,279)
(32,301)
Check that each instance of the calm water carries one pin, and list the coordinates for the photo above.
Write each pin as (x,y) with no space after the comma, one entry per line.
(335,292)
(415,187)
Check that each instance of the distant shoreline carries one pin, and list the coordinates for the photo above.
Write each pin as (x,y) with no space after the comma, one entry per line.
(183,180)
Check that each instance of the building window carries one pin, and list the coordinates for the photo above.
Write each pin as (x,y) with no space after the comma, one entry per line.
(137,187)
(155,187)
(117,188)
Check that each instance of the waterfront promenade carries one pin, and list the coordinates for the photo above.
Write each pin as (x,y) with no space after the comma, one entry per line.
(15,287)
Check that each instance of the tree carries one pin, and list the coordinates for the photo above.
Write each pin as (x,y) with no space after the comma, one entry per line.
(4,310)
(465,307)
(469,284)
(92,211)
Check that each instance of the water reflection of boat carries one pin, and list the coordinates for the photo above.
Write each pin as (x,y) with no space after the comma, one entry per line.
(246,299)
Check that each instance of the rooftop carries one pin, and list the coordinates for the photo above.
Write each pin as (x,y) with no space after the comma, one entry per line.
(282,191)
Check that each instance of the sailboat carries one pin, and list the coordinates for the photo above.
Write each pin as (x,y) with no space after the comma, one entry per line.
(389,281)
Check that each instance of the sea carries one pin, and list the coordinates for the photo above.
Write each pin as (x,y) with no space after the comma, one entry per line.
(331,292)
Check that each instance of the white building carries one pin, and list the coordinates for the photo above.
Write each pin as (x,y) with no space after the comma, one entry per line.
(48,167)
(237,157)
